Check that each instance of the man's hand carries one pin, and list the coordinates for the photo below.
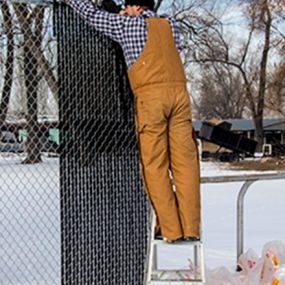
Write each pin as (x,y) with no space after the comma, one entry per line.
(123,12)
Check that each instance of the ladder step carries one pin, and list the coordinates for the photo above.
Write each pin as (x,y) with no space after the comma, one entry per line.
(182,242)
(176,276)
(172,271)
(157,276)
(182,282)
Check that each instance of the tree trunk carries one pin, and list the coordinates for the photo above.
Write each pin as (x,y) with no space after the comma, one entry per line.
(46,69)
(33,142)
(158,4)
(32,41)
(258,119)
(258,122)
(9,63)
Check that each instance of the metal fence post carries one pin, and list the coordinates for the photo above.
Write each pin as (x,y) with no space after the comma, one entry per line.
(240,218)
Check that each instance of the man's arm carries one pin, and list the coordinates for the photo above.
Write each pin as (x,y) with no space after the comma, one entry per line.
(109,24)
(176,34)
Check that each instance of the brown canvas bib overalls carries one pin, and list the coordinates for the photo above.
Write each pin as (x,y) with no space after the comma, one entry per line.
(165,134)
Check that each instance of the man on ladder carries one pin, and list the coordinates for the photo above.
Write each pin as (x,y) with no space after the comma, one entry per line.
(151,46)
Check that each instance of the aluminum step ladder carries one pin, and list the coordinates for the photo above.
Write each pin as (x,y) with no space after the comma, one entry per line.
(195,275)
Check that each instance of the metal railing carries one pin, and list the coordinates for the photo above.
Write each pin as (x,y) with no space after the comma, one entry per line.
(248,181)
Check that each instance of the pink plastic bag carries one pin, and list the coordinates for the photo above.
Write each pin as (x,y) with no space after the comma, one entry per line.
(261,271)
(248,260)
(269,269)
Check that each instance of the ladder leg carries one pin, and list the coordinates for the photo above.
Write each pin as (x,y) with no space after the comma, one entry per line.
(153,275)
(154,264)
(203,276)
(196,261)
(150,253)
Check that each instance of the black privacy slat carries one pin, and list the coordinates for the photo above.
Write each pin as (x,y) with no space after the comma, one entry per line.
(103,205)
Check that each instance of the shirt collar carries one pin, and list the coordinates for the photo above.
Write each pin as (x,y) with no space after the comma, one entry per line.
(148,13)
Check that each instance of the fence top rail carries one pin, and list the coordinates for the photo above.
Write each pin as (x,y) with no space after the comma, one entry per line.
(35,2)
(243,178)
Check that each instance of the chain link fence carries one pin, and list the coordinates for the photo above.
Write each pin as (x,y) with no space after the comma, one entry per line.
(73,210)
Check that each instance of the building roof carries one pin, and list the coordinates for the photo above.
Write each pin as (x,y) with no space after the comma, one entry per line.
(248,125)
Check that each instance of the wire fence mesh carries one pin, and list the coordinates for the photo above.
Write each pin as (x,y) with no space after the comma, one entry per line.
(72,206)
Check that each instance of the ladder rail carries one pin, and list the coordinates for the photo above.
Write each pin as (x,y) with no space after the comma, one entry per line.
(150,249)
(153,275)
(173,282)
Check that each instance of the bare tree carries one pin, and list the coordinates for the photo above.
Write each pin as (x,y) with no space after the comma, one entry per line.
(32,42)
(221,93)
(28,57)
(32,60)
(158,4)
(207,42)
(275,99)
(9,62)
(26,16)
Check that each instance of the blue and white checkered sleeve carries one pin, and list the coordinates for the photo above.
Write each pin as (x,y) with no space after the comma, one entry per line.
(176,33)
(109,24)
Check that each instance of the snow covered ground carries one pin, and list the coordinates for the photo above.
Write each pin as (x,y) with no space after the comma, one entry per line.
(29,222)
(264,218)
(27,207)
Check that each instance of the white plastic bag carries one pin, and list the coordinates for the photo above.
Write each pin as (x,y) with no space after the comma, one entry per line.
(251,265)
(248,260)
(222,276)
(269,269)
(261,271)
(279,276)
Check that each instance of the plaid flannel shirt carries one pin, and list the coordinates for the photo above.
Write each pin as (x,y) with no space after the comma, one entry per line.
(129,31)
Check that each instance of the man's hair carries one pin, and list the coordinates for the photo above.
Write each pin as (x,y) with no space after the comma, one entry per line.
(111,6)
(144,3)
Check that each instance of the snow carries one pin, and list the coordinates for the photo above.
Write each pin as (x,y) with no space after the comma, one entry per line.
(30,201)
(30,222)
(263,212)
